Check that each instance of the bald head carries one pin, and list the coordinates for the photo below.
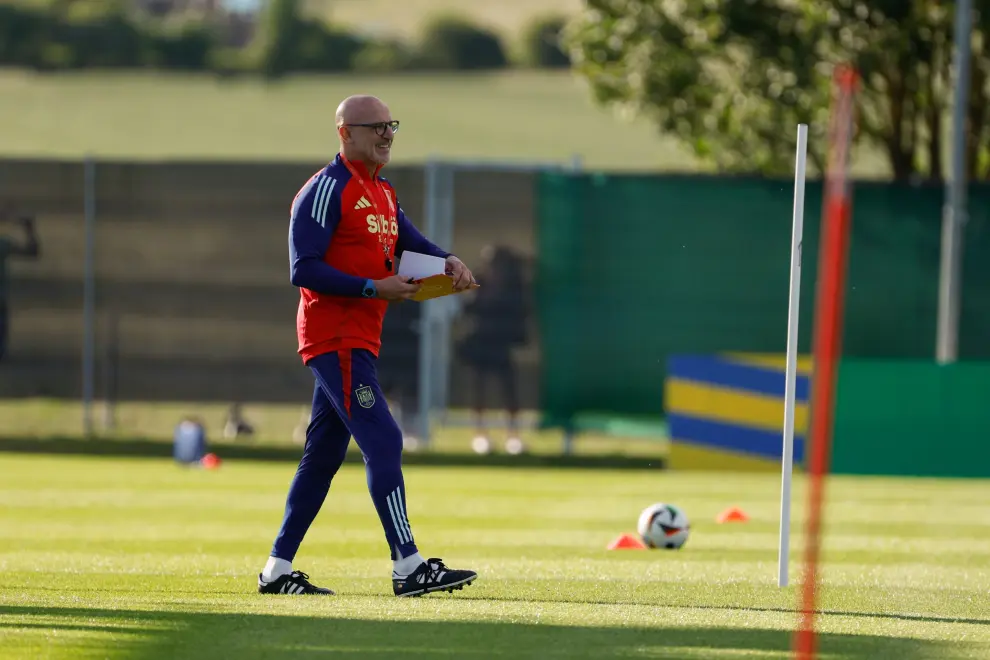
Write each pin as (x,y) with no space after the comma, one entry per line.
(366,130)
(360,109)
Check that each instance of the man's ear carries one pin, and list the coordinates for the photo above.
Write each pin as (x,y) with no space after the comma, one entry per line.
(344,133)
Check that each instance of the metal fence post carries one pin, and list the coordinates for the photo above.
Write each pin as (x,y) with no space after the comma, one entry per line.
(437,316)
(443,309)
(89,295)
(568,436)
(110,355)
(425,362)
(954,210)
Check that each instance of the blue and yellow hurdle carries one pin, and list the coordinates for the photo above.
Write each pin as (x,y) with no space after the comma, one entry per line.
(726,412)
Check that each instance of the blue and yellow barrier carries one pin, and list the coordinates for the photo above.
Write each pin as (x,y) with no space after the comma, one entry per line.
(726,412)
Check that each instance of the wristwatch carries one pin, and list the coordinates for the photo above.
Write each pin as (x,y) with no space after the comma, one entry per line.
(369,290)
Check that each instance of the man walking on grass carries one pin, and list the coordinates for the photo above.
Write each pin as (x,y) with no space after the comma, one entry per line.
(345,231)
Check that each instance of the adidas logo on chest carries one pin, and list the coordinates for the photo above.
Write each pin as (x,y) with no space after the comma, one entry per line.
(377,223)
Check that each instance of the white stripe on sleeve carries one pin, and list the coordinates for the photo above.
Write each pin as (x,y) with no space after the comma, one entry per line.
(321,184)
(326,203)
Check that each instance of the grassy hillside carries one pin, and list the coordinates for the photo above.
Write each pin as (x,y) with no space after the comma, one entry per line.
(405,18)
(514,115)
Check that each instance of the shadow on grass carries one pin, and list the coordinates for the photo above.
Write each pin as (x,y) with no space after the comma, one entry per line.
(144,448)
(146,635)
(893,616)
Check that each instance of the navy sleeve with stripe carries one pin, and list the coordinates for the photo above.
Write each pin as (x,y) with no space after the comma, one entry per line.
(315,215)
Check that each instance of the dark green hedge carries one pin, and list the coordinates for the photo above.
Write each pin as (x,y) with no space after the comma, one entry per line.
(453,43)
(50,38)
(42,39)
(541,43)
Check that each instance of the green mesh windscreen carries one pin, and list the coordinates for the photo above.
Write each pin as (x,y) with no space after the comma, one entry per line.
(632,269)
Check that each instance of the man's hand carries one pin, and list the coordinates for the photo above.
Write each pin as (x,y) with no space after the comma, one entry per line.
(459,273)
(396,288)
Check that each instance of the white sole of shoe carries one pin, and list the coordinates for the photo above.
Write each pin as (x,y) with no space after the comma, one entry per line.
(447,587)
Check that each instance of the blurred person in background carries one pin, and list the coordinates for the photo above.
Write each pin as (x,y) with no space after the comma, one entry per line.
(498,312)
(235,425)
(9,247)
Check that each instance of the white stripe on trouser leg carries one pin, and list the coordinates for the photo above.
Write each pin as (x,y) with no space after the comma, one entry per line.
(314,212)
(393,509)
(402,513)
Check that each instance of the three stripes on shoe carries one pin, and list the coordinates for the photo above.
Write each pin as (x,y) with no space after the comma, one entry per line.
(291,588)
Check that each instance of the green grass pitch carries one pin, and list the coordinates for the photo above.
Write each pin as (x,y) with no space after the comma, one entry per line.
(138,558)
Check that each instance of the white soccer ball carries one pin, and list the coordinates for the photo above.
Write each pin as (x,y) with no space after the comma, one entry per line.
(663,526)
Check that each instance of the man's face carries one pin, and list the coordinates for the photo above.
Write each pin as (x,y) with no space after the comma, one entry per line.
(373,141)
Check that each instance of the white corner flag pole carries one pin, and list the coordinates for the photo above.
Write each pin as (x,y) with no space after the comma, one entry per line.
(793,307)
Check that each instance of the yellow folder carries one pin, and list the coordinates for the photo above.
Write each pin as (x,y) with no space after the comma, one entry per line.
(437,286)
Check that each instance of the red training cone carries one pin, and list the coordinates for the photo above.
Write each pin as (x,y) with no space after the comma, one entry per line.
(210,461)
(627,542)
(732,514)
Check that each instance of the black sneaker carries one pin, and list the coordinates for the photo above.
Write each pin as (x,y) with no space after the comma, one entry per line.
(295,583)
(432,575)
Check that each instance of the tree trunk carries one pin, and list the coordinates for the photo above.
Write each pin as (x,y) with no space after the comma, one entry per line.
(975,118)
(935,124)
(900,161)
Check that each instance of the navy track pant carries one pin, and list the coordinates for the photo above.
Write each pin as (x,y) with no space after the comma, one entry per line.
(347,400)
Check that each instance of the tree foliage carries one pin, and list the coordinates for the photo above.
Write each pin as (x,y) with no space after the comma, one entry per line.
(732,78)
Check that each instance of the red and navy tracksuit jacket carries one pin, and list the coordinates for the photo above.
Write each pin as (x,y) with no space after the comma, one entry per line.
(339,232)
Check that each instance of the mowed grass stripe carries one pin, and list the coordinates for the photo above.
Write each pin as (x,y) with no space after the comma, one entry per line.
(663,624)
(216,539)
(354,507)
(235,481)
(650,568)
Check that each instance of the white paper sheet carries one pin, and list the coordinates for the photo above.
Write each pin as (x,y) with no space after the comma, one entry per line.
(419,266)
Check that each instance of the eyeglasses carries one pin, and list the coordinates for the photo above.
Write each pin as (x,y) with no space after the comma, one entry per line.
(381,126)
